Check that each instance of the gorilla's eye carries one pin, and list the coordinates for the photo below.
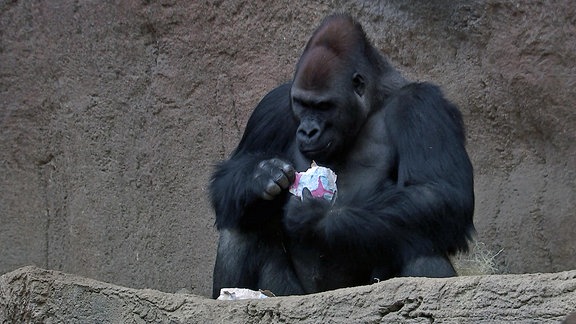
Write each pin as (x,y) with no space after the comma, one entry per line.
(313,104)
(323,105)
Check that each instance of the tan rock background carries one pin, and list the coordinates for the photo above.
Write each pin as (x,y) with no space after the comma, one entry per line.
(112,115)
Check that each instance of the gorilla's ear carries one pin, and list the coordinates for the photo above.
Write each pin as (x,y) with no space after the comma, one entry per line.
(359,84)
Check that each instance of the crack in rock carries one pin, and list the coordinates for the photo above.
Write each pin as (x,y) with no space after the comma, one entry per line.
(406,308)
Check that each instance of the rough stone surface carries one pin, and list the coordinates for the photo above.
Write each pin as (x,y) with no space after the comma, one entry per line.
(39,296)
(112,115)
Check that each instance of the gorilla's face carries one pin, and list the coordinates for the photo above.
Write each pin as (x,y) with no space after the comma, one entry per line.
(328,124)
(329,116)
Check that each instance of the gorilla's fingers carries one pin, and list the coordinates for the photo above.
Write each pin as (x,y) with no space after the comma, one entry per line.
(306,194)
(272,190)
(290,172)
(282,181)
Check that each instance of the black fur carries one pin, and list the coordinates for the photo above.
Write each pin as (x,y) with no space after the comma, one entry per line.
(405,186)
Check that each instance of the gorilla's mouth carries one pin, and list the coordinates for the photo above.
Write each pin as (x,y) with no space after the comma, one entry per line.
(315,151)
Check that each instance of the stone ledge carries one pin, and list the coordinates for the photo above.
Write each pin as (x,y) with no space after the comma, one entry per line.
(32,294)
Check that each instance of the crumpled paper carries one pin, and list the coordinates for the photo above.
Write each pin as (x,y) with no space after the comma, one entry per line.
(321,182)
(242,293)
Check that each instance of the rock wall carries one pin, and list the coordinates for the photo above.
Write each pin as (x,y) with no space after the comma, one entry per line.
(112,115)
(35,295)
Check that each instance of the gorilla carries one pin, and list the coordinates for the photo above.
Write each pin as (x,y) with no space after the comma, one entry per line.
(405,196)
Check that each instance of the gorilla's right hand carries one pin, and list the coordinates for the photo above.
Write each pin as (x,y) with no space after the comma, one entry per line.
(271,177)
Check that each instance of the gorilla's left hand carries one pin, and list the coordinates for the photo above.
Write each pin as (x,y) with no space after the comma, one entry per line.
(302,215)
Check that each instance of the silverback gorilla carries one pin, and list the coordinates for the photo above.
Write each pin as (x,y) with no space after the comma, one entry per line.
(405,184)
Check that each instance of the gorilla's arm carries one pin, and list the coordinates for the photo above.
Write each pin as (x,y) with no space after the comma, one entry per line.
(238,186)
(431,205)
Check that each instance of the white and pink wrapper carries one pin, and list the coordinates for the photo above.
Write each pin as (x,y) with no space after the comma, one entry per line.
(319,180)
